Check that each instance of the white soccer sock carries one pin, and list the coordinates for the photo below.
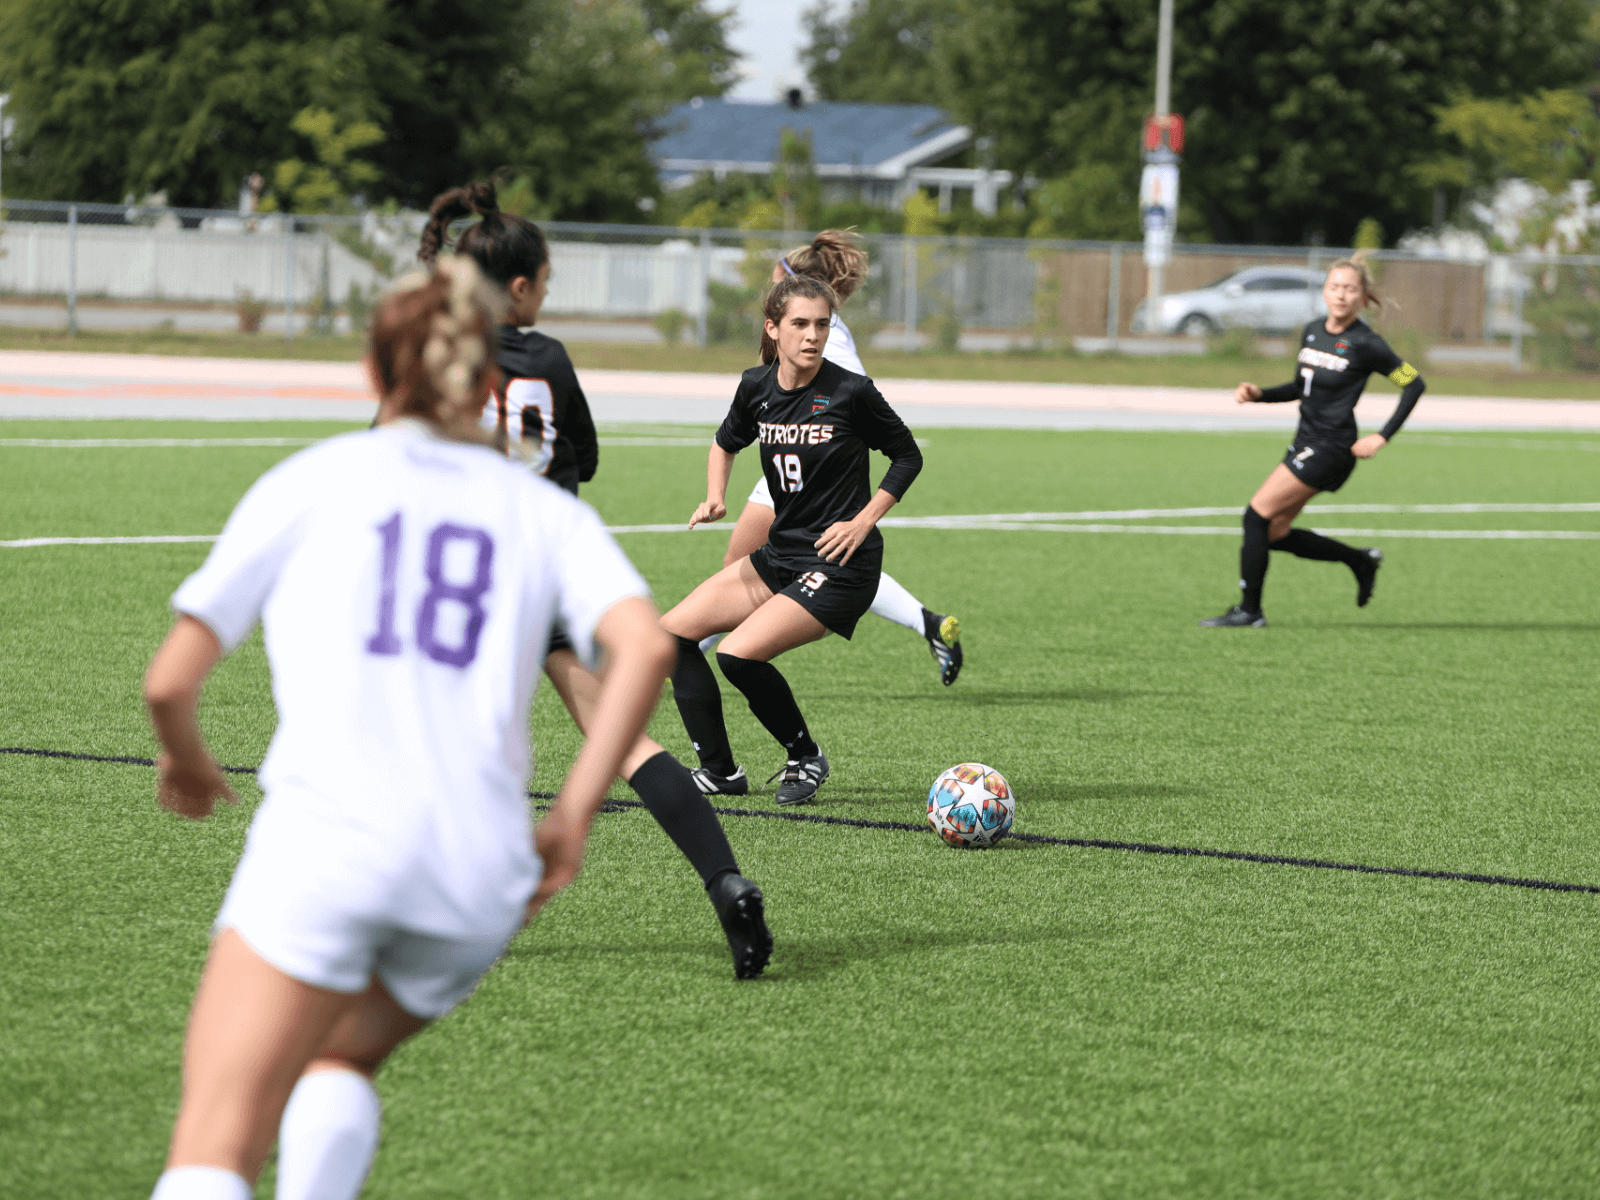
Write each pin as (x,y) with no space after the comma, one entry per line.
(705,646)
(894,603)
(328,1136)
(201,1183)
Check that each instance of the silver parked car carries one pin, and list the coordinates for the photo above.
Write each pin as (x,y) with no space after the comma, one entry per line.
(1268,299)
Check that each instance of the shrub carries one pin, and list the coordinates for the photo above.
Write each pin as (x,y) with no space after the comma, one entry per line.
(251,312)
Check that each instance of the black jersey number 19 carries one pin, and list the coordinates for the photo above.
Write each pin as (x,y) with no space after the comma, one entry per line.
(788,468)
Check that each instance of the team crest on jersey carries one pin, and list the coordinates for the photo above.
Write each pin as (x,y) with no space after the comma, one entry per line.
(1341,347)
(811,582)
(818,403)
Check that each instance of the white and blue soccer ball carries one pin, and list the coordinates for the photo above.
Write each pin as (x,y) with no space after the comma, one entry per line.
(971,806)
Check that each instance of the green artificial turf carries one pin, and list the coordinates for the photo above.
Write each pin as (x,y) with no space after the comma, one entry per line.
(1036,1020)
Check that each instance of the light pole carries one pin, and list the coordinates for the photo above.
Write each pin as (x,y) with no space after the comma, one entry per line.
(3,98)
(1158,185)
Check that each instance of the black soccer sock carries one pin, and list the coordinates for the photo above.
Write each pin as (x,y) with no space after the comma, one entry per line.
(694,687)
(1253,560)
(683,812)
(1303,543)
(771,701)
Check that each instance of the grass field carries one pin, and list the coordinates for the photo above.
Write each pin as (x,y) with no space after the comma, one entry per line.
(1019,366)
(1036,1020)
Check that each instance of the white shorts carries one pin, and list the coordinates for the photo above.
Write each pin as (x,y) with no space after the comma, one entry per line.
(310,915)
(761,493)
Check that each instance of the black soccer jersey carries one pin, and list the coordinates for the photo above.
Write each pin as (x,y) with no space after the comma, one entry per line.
(542,409)
(814,448)
(1333,370)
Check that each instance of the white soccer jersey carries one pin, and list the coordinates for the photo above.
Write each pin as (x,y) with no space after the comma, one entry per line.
(406,585)
(841,347)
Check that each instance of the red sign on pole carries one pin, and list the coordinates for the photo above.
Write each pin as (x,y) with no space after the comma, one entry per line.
(1163,133)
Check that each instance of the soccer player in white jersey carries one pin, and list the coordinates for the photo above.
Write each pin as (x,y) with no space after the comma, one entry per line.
(836,259)
(406,578)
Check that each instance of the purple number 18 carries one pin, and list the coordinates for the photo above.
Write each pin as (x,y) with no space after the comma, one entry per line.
(386,641)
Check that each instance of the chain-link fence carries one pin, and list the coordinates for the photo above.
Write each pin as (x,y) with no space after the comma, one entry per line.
(128,267)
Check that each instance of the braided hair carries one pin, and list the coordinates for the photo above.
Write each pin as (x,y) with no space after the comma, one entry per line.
(430,344)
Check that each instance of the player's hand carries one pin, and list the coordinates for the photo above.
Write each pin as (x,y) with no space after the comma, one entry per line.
(1246,393)
(190,788)
(559,840)
(709,510)
(1368,446)
(843,539)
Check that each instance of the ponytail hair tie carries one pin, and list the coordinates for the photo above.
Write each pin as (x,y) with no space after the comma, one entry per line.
(787,269)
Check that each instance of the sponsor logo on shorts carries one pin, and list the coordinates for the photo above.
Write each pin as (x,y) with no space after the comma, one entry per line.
(811,582)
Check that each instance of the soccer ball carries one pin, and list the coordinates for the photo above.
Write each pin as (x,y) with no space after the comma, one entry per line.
(971,806)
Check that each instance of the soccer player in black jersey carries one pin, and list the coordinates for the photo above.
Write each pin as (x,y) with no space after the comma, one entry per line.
(835,257)
(815,423)
(1336,356)
(538,413)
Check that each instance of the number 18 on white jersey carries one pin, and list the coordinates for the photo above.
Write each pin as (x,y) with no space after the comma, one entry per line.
(406,586)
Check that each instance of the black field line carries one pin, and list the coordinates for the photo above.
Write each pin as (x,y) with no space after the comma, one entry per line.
(1278,860)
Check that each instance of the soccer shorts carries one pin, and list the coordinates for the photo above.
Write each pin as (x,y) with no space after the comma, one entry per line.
(761,493)
(838,595)
(307,907)
(1322,465)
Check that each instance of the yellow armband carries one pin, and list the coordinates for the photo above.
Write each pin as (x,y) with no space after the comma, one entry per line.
(1402,375)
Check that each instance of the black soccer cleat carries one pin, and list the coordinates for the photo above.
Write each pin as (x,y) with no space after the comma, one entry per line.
(944,640)
(801,779)
(1237,616)
(1367,575)
(741,909)
(712,784)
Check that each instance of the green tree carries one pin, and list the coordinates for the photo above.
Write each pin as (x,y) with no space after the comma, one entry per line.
(1303,117)
(699,61)
(877,50)
(335,173)
(113,97)
(1550,138)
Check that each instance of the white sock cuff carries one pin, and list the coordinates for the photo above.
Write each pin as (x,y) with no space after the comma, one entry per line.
(895,604)
(201,1183)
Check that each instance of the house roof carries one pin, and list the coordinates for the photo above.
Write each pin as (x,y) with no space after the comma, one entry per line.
(882,140)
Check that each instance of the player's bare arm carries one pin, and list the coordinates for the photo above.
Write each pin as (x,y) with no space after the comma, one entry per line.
(189,781)
(719,466)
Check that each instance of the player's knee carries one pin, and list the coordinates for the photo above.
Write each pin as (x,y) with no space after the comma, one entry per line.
(1254,520)
(741,672)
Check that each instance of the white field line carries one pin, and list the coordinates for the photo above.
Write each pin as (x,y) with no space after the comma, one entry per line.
(1233,530)
(150,443)
(28,543)
(1138,514)
(144,443)
(1444,439)
(1078,522)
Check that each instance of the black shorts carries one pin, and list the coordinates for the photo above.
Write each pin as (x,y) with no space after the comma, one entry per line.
(1322,465)
(836,594)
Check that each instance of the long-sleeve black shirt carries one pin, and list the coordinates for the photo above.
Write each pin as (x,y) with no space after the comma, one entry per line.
(1333,374)
(815,443)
